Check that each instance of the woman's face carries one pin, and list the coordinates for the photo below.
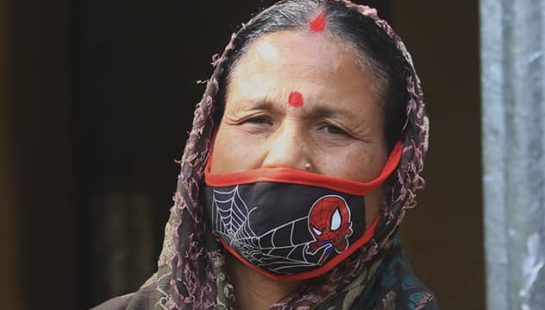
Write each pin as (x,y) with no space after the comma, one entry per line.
(335,123)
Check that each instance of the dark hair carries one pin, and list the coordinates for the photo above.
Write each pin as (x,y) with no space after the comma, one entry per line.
(376,50)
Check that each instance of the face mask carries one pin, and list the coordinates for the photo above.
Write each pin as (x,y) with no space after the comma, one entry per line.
(289,224)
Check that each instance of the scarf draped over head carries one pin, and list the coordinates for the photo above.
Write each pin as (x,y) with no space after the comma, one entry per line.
(190,269)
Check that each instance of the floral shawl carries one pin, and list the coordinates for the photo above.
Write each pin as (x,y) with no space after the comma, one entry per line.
(190,271)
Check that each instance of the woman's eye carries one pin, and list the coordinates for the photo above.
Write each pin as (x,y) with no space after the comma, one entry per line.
(332,129)
(259,120)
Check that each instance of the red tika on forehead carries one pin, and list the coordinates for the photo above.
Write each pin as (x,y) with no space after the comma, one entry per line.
(295,99)
(318,23)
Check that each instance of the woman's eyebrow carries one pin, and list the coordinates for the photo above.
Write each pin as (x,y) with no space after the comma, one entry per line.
(263,104)
(326,111)
(311,111)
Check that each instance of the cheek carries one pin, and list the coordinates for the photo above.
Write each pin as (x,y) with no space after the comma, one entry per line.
(232,153)
(359,162)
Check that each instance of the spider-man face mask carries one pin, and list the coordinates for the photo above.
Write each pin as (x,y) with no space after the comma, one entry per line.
(290,224)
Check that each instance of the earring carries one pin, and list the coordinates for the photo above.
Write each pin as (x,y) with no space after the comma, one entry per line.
(308,166)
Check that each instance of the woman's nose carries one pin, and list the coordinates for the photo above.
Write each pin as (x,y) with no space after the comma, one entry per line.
(287,148)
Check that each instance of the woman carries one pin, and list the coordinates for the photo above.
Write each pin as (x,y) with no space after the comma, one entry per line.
(305,152)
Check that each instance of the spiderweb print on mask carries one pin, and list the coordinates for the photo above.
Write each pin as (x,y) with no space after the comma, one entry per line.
(282,250)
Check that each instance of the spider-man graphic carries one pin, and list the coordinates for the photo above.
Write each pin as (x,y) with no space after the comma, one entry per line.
(329,222)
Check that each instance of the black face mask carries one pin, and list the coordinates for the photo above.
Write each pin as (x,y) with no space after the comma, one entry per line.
(290,224)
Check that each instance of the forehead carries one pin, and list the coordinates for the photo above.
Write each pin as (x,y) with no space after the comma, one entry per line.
(298,47)
(317,64)
(301,49)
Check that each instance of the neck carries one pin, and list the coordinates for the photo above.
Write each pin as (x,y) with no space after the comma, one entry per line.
(253,290)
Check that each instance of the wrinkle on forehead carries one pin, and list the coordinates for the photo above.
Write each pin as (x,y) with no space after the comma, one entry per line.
(316,57)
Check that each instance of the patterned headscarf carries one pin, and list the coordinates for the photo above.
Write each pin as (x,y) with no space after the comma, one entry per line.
(190,269)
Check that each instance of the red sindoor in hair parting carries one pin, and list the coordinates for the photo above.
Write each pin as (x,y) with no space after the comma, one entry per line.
(318,23)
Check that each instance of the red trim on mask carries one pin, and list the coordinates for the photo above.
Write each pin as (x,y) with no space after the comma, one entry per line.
(316,272)
(301,177)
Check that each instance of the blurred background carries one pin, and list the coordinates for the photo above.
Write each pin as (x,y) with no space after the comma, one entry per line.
(96,100)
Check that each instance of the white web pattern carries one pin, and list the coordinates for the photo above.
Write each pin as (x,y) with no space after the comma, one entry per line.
(230,219)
